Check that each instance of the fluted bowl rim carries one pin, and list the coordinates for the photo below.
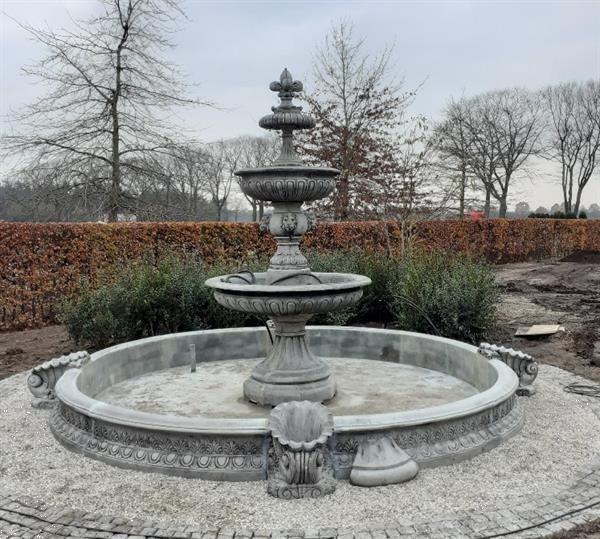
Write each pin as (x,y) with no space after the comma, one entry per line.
(288,169)
(343,282)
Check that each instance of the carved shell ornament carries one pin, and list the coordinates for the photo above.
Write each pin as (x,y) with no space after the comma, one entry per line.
(301,425)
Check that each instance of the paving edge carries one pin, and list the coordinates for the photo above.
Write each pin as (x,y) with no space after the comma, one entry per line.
(524,518)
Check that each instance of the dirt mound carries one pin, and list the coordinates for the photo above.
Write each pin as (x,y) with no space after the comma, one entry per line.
(583,257)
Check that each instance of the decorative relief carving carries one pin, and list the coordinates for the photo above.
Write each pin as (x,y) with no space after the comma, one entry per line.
(524,365)
(288,258)
(288,305)
(311,221)
(43,378)
(210,455)
(299,463)
(264,223)
(293,188)
(437,442)
(289,222)
(131,447)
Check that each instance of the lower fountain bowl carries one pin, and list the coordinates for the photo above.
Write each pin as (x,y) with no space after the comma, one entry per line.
(335,292)
(439,400)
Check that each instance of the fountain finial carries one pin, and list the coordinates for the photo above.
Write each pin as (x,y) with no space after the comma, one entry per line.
(287,88)
(287,117)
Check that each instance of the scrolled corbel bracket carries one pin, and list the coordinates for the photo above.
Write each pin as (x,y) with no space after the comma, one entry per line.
(524,365)
(43,378)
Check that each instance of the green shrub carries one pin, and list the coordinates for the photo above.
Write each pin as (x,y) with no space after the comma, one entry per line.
(375,305)
(452,296)
(148,299)
(431,293)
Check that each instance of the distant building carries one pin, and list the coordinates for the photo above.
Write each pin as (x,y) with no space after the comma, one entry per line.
(474,215)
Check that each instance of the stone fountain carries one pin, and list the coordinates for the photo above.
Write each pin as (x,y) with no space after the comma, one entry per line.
(395,401)
(288,292)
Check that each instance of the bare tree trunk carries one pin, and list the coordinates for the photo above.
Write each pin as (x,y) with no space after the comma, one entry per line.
(342,199)
(578,200)
(488,202)
(115,183)
(115,187)
(503,207)
(461,195)
(566,200)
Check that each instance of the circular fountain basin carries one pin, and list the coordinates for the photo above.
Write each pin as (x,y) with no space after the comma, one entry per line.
(137,405)
(336,291)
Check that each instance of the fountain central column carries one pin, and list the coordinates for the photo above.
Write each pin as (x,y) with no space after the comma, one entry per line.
(288,292)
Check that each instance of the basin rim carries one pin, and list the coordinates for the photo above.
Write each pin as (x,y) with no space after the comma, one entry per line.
(353,282)
(303,170)
(69,394)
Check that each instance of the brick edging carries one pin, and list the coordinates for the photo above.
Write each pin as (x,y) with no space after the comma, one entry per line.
(23,516)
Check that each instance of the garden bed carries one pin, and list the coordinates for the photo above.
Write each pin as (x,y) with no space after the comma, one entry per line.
(566,292)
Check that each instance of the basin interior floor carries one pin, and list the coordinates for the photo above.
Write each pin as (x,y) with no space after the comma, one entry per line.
(215,389)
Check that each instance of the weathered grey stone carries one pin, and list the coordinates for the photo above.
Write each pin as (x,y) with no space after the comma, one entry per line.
(379,461)
(43,378)
(523,364)
(232,449)
(299,461)
(289,293)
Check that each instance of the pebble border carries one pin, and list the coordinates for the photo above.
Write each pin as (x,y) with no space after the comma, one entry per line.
(524,518)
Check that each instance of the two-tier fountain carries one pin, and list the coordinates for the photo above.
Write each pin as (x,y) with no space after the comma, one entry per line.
(288,292)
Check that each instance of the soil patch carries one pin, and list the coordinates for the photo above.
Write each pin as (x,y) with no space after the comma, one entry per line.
(565,293)
(22,350)
(584,257)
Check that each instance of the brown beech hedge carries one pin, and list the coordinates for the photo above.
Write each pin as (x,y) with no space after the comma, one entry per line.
(41,264)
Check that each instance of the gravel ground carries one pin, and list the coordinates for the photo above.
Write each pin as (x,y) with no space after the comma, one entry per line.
(560,438)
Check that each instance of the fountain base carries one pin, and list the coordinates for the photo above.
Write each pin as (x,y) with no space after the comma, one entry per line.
(290,372)
(272,394)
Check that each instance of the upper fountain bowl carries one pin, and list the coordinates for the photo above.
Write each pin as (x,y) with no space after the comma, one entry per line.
(288,183)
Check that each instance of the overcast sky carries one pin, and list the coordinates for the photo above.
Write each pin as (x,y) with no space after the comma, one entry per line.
(233,49)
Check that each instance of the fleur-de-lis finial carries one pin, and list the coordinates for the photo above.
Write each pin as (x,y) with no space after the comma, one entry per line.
(287,88)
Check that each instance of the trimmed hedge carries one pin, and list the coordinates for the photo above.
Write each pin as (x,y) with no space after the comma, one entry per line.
(42,264)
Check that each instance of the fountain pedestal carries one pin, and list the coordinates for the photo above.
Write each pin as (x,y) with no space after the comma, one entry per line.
(290,371)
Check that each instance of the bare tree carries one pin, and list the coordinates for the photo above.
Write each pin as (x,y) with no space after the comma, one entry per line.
(110,93)
(256,152)
(224,157)
(574,135)
(191,167)
(360,114)
(503,130)
(451,140)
